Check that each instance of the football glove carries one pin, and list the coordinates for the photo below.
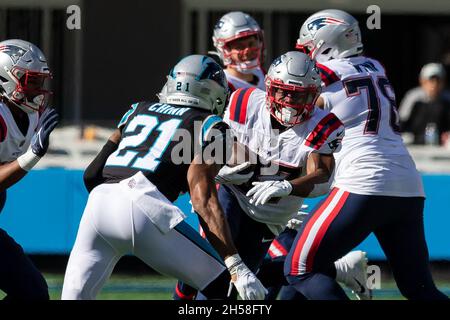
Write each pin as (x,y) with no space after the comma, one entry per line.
(297,221)
(231,175)
(47,122)
(262,192)
(247,284)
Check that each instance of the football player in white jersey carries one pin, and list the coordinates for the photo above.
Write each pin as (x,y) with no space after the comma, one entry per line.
(25,126)
(294,142)
(239,42)
(376,186)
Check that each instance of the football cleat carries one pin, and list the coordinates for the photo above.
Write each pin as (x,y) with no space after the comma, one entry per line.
(352,272)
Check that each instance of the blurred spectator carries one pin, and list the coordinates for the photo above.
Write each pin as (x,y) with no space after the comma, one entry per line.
(425,111)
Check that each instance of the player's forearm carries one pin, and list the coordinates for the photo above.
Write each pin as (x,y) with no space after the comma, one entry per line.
(10,173)
(319,168)
(206,204)
(303,186)
(216,228)
(93,175)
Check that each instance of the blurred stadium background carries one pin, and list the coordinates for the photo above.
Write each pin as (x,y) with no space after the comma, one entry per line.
(121,55)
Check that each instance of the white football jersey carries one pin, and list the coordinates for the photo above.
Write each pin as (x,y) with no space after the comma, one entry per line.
(249,118)
(373,159)
(12,141)
(236,83)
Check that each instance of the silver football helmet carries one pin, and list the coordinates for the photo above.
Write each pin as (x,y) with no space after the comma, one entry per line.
(197,81)
(330,34)
(237,25)
(292,86)
(24,75)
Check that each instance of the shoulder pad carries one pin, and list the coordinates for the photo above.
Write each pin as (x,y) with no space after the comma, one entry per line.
(327,75)
(239,103)
(327,135)
(125,117)
(212,126)
(215,135)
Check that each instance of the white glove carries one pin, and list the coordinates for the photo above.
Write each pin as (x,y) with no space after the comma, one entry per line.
(262,192)
(231,175)
(246,283)
(297,221)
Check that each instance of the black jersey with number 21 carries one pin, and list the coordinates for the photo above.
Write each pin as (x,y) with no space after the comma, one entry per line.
(150,132)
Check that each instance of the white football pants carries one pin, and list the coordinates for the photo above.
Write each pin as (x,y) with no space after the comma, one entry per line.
(112,226)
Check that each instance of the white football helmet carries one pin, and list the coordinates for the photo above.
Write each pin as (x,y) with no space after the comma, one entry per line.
(24,75)
(197,81)
(292,86)
(330,34)
(237,25)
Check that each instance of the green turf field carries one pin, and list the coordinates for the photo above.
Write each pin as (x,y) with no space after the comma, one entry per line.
(155,287)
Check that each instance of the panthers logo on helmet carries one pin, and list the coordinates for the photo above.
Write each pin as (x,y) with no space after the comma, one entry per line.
(317,24)
(211,70)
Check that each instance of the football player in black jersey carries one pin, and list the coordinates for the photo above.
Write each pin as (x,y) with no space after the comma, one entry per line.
(158,151)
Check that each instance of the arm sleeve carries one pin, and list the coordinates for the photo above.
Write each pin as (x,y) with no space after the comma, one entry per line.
(93,175)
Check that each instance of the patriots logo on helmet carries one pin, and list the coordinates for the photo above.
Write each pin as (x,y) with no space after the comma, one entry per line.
(219,24)
(317,24)
(14,52)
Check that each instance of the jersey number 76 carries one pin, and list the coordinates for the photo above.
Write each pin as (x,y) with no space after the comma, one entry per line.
(353,87)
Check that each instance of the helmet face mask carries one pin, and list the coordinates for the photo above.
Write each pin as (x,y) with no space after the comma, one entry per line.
(244,52)
(24,75)
(306,48)
(197,81)
(290,104)
(31,90)
(330,34)
(239,41)
(292,87)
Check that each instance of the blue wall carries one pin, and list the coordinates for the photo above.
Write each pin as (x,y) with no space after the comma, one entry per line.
(43,211)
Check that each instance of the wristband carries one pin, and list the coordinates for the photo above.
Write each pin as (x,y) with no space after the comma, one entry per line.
(28,160)
(232,262)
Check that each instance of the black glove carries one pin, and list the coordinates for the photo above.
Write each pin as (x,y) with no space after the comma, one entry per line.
(47,122)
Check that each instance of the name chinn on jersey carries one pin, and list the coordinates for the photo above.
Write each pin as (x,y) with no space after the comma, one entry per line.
(150,132)
(358,91)
(250,121)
